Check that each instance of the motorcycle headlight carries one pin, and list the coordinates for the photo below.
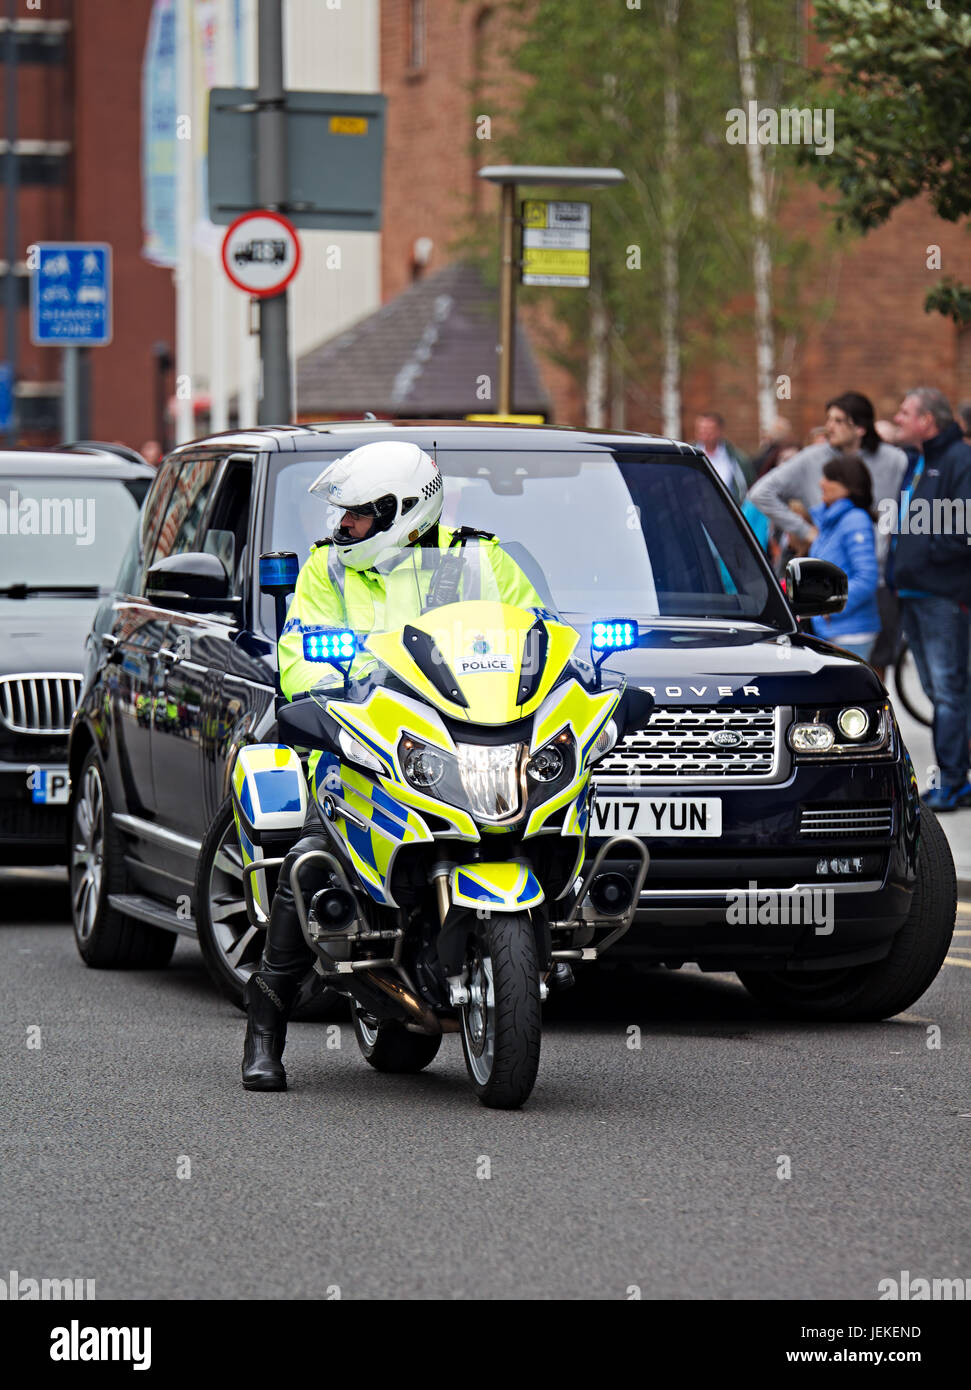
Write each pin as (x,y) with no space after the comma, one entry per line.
(491,778)
(424,767)
(546,765)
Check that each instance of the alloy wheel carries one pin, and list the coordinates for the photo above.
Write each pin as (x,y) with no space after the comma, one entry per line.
(87,854)
(239,942)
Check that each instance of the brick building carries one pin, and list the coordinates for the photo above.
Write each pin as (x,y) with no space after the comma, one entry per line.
(864,325)
(77,144)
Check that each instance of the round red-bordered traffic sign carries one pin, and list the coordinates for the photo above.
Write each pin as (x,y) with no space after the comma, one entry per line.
(270,236)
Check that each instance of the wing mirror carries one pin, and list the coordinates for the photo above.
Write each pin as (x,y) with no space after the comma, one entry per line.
(193,582)
(815,588)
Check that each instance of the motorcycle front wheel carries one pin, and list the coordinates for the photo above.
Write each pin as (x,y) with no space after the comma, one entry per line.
(501,1024)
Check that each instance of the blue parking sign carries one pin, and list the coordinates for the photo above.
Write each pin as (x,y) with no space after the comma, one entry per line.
(6,397)
(70,295)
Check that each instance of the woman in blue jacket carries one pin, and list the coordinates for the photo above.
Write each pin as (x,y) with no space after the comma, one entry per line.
(846,538)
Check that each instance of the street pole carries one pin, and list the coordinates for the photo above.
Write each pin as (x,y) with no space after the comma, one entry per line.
(271,192)
(11,298)
(184,269)
(71,397)
(507,298)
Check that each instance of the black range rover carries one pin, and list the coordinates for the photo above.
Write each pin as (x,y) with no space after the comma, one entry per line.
(65,520)
(771,783)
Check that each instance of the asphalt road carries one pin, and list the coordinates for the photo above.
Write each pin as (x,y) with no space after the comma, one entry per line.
(657,1168)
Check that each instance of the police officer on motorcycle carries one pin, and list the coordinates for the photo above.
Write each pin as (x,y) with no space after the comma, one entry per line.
(390,496)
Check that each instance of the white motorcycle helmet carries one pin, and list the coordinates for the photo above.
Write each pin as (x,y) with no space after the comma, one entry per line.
(397,484)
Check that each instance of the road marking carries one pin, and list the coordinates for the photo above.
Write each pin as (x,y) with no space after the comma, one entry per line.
(952,960)
(913,1018)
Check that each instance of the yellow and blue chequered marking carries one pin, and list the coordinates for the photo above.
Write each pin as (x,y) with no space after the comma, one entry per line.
(269,787)
(506,886)
(372,848)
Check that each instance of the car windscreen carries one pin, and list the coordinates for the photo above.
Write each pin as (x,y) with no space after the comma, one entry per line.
(65,532)
(605,533)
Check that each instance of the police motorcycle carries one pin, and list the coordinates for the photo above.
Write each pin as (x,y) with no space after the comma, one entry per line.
(451,772)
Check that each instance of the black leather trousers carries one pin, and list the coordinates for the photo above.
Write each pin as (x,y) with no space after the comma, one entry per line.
(286,951)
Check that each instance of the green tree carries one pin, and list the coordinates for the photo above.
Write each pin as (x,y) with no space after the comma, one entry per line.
(646,86)
(897,76)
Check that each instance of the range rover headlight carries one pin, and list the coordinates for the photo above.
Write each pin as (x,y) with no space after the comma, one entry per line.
(853,722)
(811,738)
(850,731)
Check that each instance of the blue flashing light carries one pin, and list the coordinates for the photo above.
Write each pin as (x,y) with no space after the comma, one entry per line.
(616,634)
(279,569)
(329,644)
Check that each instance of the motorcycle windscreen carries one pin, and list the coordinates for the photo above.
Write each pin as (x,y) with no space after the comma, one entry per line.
(464,627)
(485,662)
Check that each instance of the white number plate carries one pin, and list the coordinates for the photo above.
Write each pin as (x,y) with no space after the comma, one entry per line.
(661,819)
(50,786)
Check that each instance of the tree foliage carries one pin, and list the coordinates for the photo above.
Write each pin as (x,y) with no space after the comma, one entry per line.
(897,76)
(594,80)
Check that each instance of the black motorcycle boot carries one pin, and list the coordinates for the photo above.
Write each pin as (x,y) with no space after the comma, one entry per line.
(268,1001)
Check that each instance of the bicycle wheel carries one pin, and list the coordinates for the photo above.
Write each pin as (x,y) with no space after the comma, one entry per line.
(909,689)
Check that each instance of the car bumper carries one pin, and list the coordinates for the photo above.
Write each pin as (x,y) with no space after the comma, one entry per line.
(777,887)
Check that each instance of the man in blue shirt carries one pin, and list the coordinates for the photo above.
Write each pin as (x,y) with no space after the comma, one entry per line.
(932,573)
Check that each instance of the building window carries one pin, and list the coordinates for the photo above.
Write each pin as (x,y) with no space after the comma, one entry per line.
(416,35)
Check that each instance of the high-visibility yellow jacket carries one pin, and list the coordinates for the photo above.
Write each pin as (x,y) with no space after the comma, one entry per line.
(330,594)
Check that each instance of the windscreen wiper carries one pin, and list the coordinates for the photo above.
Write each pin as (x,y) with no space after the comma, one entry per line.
(24,590)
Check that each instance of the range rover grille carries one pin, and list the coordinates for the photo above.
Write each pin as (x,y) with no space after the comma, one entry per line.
(832,820)
(704,744)
(39,704)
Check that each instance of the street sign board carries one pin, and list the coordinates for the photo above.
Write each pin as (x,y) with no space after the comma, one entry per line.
(6,397)
(261,253)
(556,243)
(335,149)
(70,295)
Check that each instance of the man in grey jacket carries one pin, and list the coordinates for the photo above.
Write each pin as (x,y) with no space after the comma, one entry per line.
(849,430)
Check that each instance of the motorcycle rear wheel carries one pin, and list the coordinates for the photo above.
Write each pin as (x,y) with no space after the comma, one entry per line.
(388,1046)
(501,1024)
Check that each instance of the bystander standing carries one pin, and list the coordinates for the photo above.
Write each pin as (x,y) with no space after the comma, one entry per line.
(931,568)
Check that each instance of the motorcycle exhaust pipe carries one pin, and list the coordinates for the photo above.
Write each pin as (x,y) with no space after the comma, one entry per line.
(420,1013)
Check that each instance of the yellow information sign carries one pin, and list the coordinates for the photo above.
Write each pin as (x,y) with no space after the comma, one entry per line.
(556,243)
(348,125)
(539,260)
